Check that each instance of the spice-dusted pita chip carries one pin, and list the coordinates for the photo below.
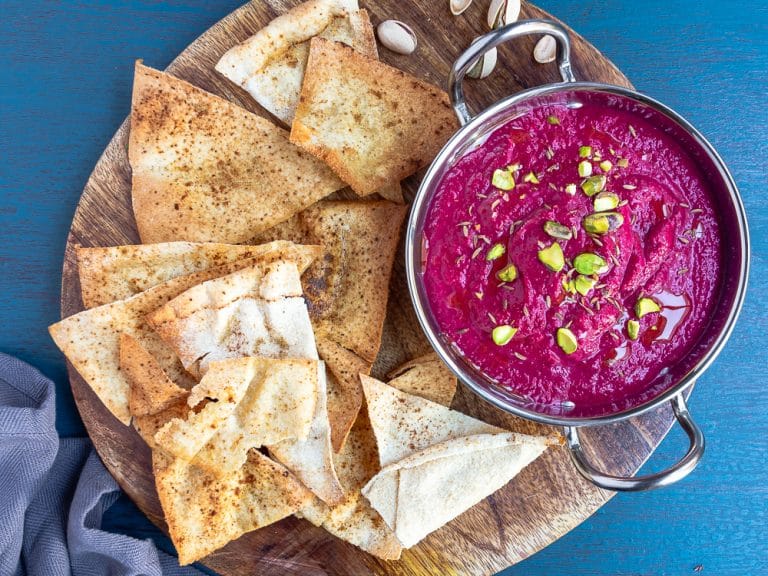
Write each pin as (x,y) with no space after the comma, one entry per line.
(372,123)
(255,402)
(90,339)
(428,488)
(204,512)
(118,272)
(392,192)
(257,311)
(404,423)
(270,64)
(206,170)
(427,377)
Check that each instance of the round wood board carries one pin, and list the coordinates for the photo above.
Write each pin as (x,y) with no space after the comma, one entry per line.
(543,503)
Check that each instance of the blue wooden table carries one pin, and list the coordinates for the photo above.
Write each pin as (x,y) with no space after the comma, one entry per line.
(65,82)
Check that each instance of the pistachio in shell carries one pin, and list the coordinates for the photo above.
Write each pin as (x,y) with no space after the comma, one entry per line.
(503,12)
(397,36)
(459,6)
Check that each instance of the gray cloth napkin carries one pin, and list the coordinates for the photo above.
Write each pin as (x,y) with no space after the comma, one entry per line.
(53,493)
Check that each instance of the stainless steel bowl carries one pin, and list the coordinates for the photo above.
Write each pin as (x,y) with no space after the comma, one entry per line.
(672,383)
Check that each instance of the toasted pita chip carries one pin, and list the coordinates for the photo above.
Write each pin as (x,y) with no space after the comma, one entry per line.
(426,489)
(204,512)
(392,192)
(256,401)
(372,123)
(270,64)
(257,311)
(427,377)
(147,426)
(119,272)
(404,423)
(205,170)
(90,339)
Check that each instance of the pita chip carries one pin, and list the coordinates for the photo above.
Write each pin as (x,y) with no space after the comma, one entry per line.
(427,377)
(91,339)
(204,512)
(392,192)
(372,123)
(255,402)
(256,311)
(118,272)
(270,64)
(206,170)
(428,488)
(404,423)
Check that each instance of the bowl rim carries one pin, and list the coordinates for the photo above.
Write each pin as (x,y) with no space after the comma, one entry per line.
(418,216)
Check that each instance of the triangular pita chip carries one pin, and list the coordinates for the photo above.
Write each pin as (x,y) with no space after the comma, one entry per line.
(404,423)
(255,402)
(427,377)
(257,311)
(118,272)
(206,170)
(270,64)
(423,491)
(90,339)
(204,512)
(392,192)
(372,123)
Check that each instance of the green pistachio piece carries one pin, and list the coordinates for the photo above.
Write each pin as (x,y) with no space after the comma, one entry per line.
(552,257)
(496,251)
(588,263)
(593,184)
(504,179)
(585,168)
(503,334)
(557,230)
(583,284)
(554,120)
(508,273)
(585,151)
(646,306)
(570,189)
(567,340)
(531,177)
(602,222)
(569,286)
(606,201)
(606,165)
(633,329)
(623,162)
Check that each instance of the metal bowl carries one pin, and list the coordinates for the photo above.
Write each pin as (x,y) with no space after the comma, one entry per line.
(671,383)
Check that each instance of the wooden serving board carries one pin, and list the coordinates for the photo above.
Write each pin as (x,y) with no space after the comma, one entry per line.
(544,502)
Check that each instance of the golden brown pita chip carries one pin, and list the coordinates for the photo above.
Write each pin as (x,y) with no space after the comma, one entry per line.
(270,64)
(206,170)
(428,488)
(119,272)
(392,192)
(372,123)
(204,512)
(255,402)
(90,339)
(427,377)
(147,426)
(256,311)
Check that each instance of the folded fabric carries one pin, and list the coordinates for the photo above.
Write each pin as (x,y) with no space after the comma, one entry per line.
(53,493)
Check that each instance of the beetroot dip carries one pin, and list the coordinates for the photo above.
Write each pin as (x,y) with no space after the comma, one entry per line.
(537,326)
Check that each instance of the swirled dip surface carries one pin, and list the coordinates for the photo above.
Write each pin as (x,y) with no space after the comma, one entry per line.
(491,270)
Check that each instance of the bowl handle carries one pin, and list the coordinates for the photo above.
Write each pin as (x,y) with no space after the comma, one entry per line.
(498,36)
(671,475)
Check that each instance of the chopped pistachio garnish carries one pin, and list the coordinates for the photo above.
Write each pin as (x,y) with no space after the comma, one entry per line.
(606,201)
(479,295)
(594,184)
(554,120)
(569,286)
(583,284)
(552,257)
(623,162)
(633,329)
(570,189)
(531,177)
(585,168)
(585,151)
(504,179)
(606,165)
(602,222)
(588,263)
(557,230)
(508,273)
(496,251)
(567,340)
(503,334)
(646,306)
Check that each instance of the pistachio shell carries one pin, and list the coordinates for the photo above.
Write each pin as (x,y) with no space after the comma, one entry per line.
(485,65)
(503,12)
(397,36)
(545,50)
(459,6)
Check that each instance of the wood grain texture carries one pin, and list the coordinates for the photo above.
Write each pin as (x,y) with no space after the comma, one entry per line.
(543,503)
